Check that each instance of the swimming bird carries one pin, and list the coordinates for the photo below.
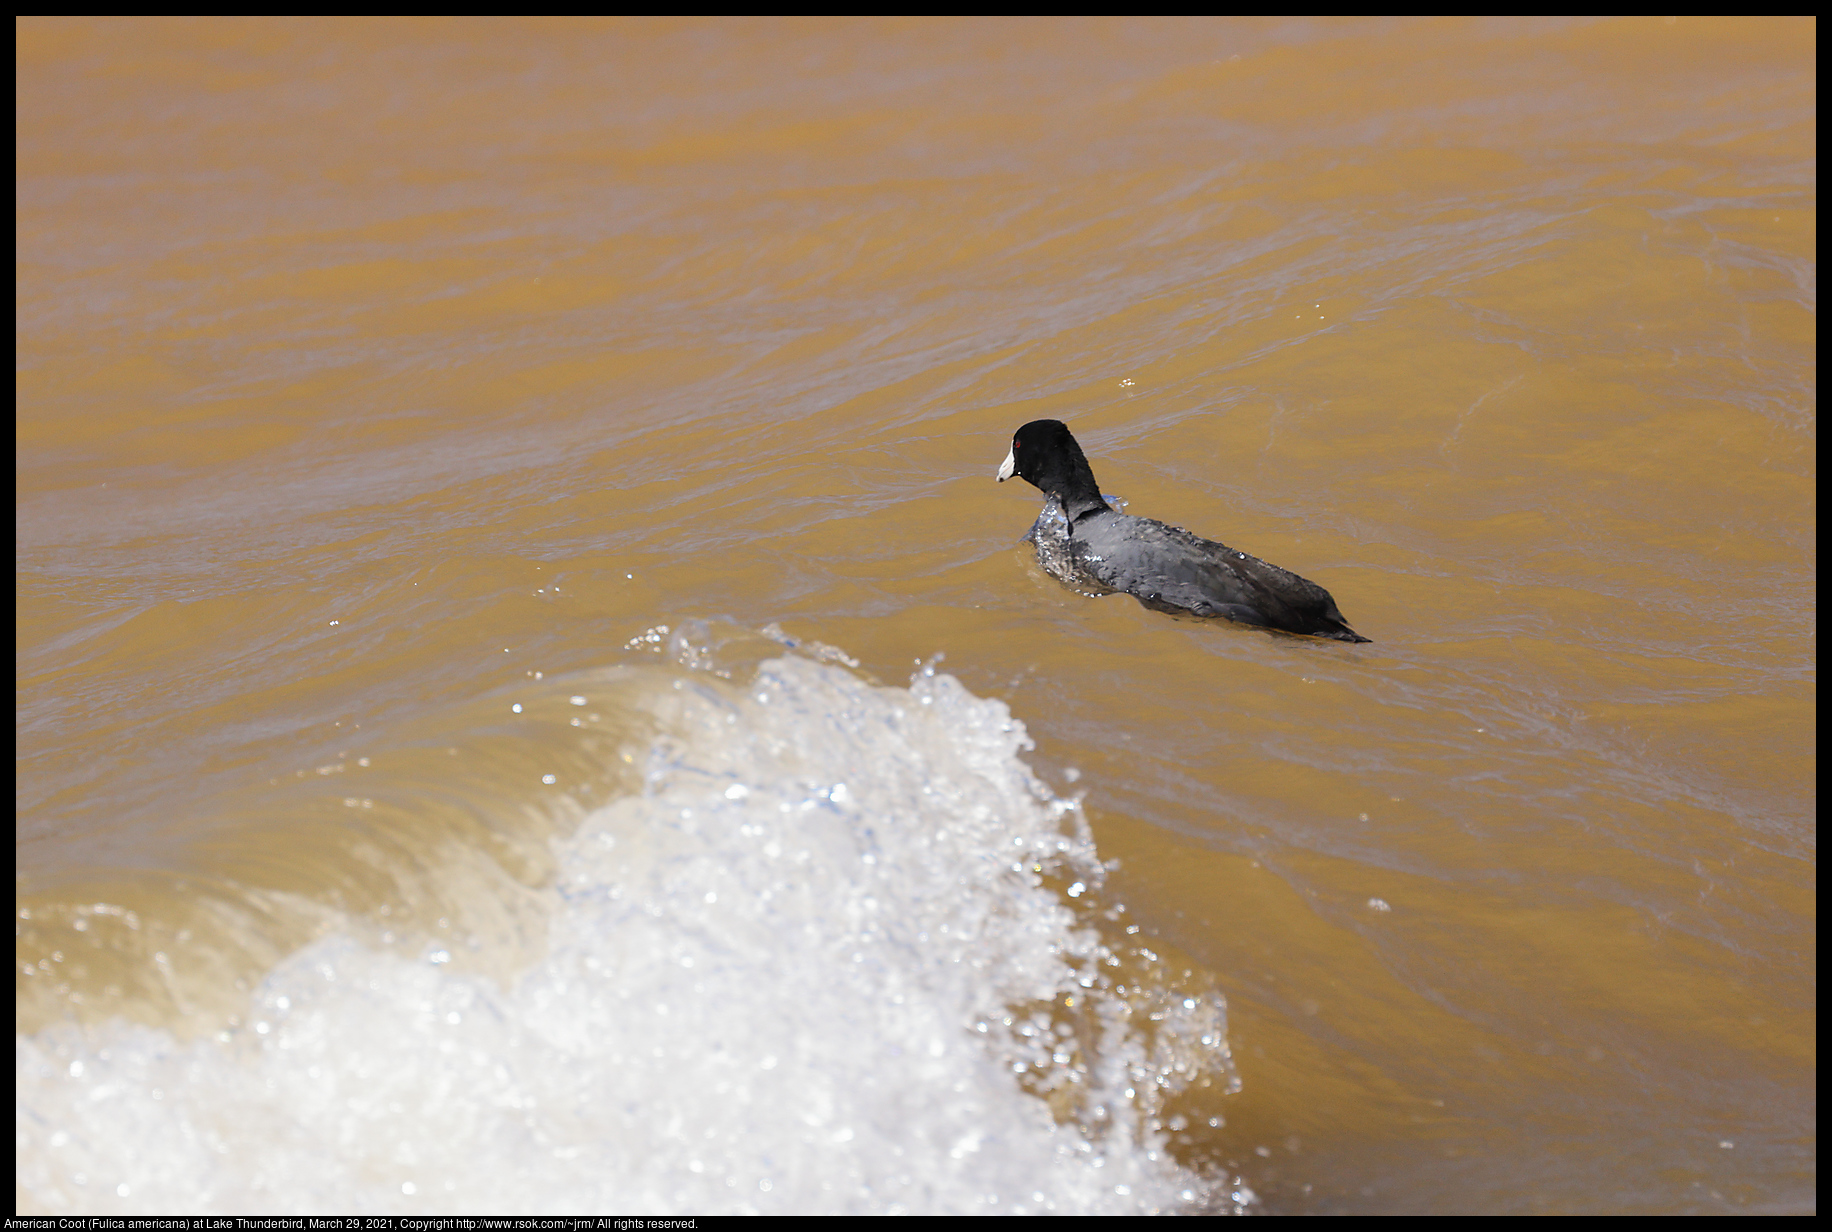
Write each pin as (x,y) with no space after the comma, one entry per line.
(1086,543)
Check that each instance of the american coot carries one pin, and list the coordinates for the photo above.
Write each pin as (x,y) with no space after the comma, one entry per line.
(1086,543)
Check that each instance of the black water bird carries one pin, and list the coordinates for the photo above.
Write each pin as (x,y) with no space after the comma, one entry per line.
(1084,542)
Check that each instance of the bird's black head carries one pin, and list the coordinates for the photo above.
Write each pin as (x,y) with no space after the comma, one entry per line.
(1045,454)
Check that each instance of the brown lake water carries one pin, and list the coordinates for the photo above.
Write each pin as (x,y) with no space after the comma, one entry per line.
(529,697)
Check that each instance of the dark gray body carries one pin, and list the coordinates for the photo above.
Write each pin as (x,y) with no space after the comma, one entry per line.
(1084,543)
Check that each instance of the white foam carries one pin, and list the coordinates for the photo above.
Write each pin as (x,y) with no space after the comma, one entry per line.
(781,980)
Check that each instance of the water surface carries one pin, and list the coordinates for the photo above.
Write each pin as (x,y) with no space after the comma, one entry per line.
(433,437)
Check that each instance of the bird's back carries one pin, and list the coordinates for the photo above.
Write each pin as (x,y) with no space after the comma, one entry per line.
(1169,568)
